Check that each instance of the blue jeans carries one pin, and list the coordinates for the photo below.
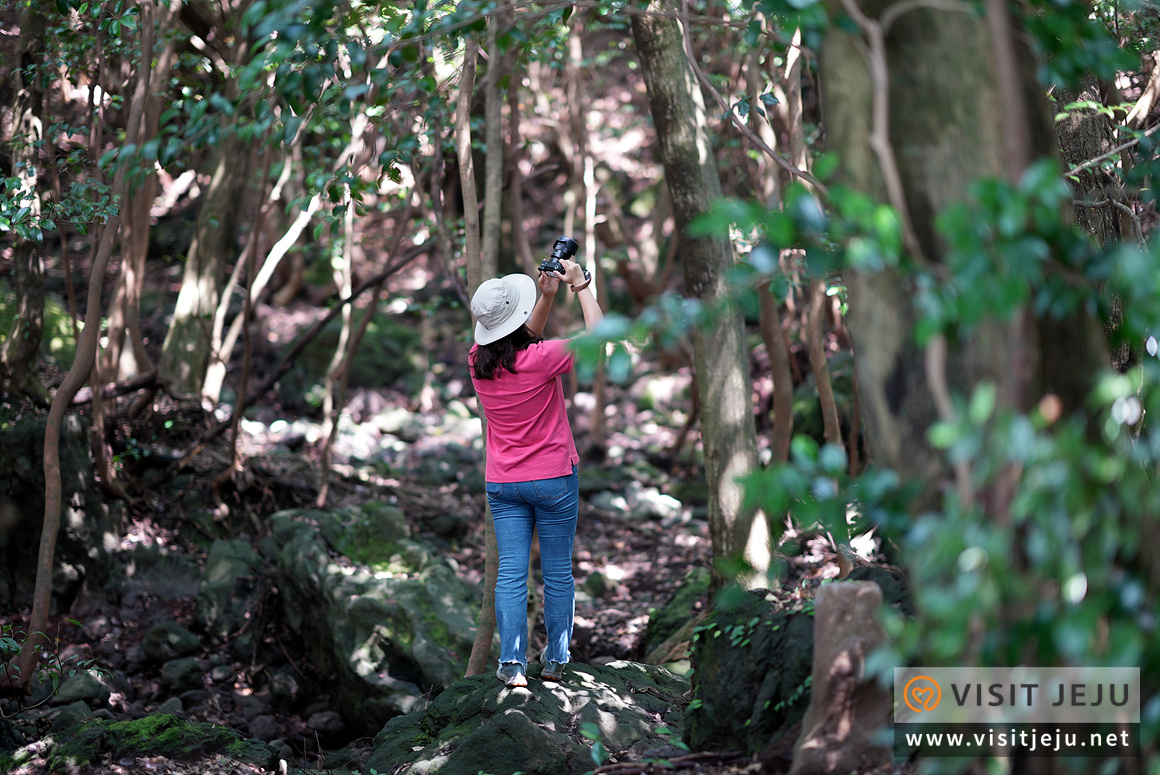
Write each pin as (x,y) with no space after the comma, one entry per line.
(550,506)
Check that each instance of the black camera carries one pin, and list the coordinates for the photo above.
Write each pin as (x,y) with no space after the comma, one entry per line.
(564,247)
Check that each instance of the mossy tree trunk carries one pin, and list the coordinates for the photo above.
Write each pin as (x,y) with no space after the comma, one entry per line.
(955,111)
(727,427)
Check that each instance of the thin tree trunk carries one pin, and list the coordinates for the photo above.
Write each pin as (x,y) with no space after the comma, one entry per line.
(331,411)
(80,371)
(185,353)
(773,335)
(814,336)
(125,355)
(727,426)
(493,160)
(472,237)
(481,648)
(516,179)
(342,372)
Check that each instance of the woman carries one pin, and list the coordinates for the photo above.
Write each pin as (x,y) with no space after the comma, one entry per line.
(531,456)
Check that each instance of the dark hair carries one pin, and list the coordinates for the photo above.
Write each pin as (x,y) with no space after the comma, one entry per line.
(501,354)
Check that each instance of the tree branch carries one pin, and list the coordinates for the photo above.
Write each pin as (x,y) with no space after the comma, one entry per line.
(736,120)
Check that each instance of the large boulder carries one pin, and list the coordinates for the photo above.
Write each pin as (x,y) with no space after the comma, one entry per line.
(670,627)
(381,613)
(96,741)
(232,584)
(751,676)
(480,725)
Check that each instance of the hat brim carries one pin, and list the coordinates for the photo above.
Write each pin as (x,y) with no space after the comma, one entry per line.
(526,287)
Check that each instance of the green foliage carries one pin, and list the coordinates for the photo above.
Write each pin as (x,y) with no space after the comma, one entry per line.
(591,731)
(1072,44)
(1008,248)
(51,669)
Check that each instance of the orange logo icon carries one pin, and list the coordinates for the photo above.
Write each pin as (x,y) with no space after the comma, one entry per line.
(922,693)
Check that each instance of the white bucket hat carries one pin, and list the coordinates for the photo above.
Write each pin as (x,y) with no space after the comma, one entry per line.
(501,305)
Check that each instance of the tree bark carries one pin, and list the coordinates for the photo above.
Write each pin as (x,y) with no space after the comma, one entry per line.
(815,321)
(940,94)
(124,356)
(727,427)
(493,167)
(186,351)
(481,649)
(773,334)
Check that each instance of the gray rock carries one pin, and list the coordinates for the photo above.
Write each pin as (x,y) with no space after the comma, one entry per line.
(606,500)
(390,620)
(480,725)
(287,687)
(650,503)
(172,706)
(168,640)
(264,727)
(597,584)
(230,588)
(326,722)
(82,686)
(69,716)
(183,674)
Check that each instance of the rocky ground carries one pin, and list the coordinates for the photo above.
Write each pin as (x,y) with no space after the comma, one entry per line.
(635,545)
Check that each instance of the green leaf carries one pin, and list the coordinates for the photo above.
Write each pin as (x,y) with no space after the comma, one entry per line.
(620,365)
(590,730)
(982,403)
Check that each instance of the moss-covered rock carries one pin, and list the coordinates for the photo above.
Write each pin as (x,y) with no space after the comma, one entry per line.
(381,612)
(664,622)
(479,725)
(232,583)
(159,735)
(751,669)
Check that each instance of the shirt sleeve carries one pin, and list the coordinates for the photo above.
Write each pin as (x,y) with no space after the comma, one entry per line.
(554,356)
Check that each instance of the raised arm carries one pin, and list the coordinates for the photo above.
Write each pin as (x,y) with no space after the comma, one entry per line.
(574,276)
(549,285)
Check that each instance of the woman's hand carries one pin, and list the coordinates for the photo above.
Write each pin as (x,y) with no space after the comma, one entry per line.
(549,283)
(573,273)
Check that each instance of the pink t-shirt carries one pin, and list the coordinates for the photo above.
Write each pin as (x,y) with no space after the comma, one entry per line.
(528,435)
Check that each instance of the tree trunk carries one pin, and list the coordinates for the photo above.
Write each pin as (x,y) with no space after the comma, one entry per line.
(1100,198)
(125,355)
(185,354)
(933,84)
(21,132)
(773,334)
(80,370)
(481,649)
(493,160)
(186,350)
(727,427)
